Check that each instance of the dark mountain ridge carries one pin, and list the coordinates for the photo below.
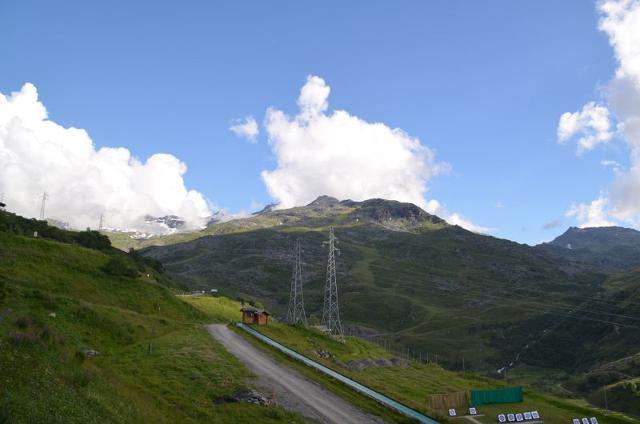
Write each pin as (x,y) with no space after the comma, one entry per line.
(610,249)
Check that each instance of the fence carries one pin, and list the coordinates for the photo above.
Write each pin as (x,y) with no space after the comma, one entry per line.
(508,395)
(439,404)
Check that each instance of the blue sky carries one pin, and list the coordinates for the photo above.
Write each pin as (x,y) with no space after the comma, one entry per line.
(482,84)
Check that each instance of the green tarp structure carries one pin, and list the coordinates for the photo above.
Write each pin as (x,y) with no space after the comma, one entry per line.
(485,397)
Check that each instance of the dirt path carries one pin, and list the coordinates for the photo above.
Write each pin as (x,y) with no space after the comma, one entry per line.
(292,390)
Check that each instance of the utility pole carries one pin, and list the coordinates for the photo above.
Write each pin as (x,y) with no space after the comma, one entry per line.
(331,310)
(45,196)
(295,313)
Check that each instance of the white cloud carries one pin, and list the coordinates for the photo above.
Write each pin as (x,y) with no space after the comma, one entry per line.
(592,214)
(247,128)
(620,20)
(38,155)
(341,155)
(592,123)
(614,165)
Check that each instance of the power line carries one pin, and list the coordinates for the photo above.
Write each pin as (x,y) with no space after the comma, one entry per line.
(331,309)
(296,313)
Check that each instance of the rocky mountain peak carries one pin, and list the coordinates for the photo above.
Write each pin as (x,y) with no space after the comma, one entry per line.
(325,201)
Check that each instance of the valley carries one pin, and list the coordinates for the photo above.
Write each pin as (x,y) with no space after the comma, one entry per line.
(417,285)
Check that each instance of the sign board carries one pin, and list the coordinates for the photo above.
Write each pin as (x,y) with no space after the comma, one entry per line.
(535,415)
(519,417)
(511,418)
(528,416)
(585,420)
(594,420)
(452,412)
(472,411)
(502,418)
(576,421)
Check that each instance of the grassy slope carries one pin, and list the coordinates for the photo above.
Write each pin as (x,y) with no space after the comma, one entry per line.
(412,384)
(44,377)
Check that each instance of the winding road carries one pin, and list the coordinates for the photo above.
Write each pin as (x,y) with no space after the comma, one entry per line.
(291,389)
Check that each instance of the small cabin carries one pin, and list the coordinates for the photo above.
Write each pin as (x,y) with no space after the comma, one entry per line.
(254,316)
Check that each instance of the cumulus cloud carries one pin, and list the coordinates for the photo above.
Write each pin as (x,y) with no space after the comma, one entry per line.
(38,155)
(592,123)
(592,214)
(341,155)
(620,20)
(247,128)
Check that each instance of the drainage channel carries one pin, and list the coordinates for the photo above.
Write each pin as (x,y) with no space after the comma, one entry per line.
(387,401)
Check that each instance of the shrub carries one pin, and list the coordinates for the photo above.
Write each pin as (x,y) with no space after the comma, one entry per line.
(24,322)
(145,261)
(93,240)
(120,266)
(80,356)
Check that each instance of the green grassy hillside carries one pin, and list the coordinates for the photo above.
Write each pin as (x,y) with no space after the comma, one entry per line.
(155,362)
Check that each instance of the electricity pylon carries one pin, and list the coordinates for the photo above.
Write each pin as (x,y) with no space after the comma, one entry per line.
(45,196)
(296,314)
(331,310)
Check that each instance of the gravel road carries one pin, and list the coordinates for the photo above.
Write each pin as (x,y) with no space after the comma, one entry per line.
(291,389)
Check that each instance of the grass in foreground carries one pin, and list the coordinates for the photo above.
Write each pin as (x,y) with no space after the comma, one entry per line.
(155,361)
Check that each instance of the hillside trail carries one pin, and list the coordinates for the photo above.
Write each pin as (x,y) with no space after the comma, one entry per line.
(292,390)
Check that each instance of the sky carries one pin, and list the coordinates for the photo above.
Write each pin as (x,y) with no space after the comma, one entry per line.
(514,119)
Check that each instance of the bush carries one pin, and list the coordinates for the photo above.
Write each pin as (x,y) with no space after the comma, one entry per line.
(120,266)
(93,240)
(144,261)
(24,322)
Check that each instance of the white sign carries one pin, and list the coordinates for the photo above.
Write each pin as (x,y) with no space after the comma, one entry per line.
(535,415)
(502,418)
(519,417)
(576,421)
(585,420)
(527,416)
(511,418)
(594,420)
(472,411)
(452,413)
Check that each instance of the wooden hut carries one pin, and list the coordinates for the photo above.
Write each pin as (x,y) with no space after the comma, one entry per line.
(254,316)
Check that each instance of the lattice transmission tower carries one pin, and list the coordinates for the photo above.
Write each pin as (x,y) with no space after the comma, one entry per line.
(45,196)
(331,309)
(295,313)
